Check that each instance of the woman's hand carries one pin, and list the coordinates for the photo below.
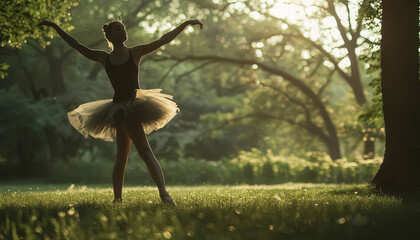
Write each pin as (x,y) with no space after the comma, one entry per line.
(46,23)
(194,22)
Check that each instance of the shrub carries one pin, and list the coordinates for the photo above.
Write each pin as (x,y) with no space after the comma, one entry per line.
(248,173)
(248,167)
(267,172)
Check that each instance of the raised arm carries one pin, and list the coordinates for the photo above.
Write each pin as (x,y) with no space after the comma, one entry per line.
(144,49)
(95,55)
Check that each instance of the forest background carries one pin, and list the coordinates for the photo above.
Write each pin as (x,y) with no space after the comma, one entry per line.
(269,91)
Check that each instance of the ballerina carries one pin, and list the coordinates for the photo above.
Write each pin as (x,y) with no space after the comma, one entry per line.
(132,113)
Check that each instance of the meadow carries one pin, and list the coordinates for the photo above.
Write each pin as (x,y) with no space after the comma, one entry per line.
(285,211)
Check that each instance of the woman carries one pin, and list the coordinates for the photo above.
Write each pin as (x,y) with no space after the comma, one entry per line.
(133,112)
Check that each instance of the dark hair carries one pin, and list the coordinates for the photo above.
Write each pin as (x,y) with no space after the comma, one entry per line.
(106,28)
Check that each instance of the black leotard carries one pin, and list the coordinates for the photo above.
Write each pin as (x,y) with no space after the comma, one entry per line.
(124,78)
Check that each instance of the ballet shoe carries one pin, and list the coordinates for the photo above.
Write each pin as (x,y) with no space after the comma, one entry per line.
(168,200)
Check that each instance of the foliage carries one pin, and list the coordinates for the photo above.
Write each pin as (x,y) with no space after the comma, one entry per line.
(248,33)
(211,95)
(316,167)
(373,112)
(208,212)
(3,70)
(253,167)
(20,111)
(19,19)
(24,124)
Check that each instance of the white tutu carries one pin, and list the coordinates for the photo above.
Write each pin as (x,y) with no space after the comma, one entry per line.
(100,118)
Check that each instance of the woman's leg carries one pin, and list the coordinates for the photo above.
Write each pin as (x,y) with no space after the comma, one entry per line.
(123,149)
(137,135)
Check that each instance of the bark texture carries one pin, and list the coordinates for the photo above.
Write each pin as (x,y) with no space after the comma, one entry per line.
(400,170)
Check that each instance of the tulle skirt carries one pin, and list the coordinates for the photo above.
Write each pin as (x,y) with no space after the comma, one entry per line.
(100,119)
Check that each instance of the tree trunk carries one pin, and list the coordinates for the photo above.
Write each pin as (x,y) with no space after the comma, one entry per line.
(55,145)
(400,170)
(56,72)
(94,71)
(369,152)
(356,85)
(355,81)
(25,151)
(334,148)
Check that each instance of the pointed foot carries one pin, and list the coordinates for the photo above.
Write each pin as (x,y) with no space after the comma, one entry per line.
(168,200)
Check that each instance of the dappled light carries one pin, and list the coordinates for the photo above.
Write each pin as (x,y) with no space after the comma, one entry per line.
(211,212)
(209,119)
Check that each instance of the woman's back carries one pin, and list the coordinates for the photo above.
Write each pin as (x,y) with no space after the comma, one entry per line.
(123,77)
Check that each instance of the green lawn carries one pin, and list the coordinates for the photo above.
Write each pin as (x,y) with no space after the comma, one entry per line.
(287,211)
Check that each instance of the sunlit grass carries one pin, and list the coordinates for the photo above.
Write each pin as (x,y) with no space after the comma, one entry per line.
(291,211)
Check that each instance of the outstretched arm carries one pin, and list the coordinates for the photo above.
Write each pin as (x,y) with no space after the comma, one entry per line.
(144,49)
(95,55)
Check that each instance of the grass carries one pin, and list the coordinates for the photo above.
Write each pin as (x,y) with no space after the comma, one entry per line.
(287,211)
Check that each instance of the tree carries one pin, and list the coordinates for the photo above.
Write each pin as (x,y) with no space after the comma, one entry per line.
(399,171)
(18,21)
(351,38)
(275,45)
(330,138)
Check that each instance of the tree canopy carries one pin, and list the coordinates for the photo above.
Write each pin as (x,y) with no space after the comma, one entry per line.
(282,77)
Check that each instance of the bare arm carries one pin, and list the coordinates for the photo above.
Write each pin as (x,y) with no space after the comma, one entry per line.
(144,49)
(95,55)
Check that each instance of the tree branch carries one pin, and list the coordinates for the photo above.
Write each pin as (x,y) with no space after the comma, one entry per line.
(359,22)
(341,28)
(309,125)
(290,78)
(177,79)
(332,59)
(318,64)
(367,40)
(236,88)
(329,79)
(259,115)
(346,3)
(167,72)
